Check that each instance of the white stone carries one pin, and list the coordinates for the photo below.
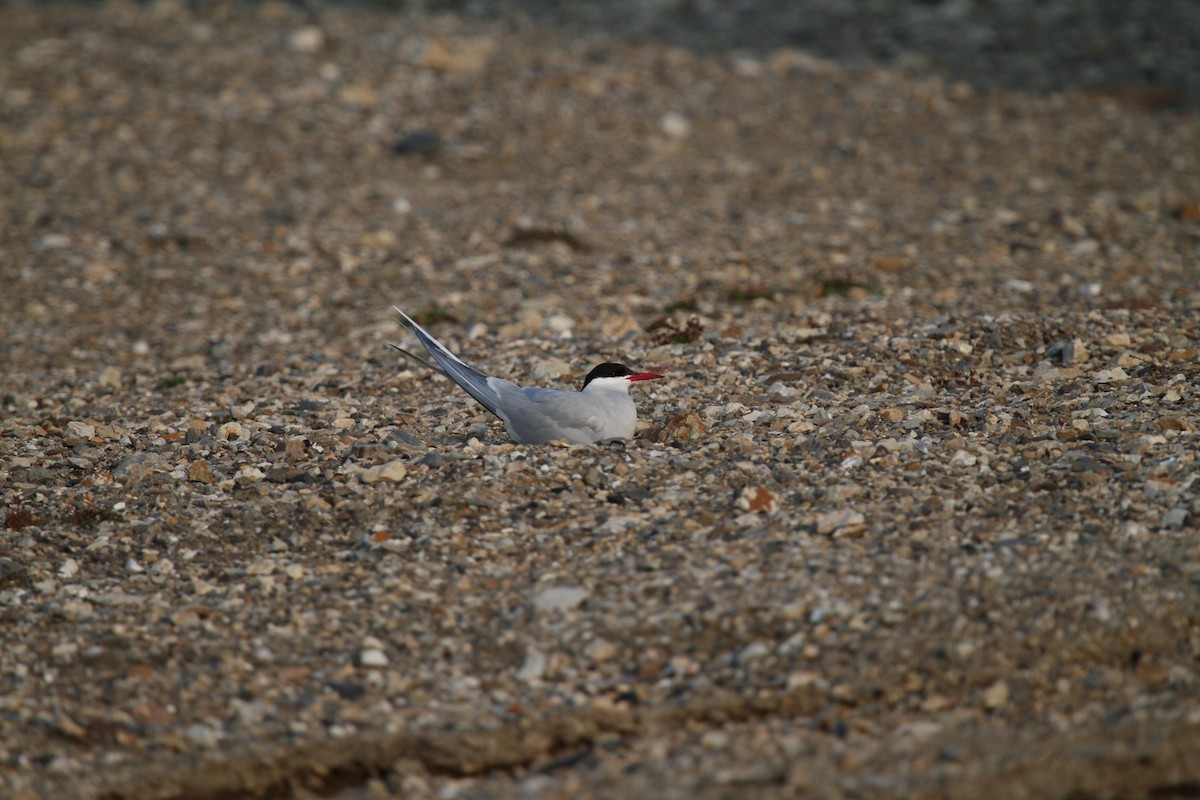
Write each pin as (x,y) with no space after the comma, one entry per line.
(600,650)
(752,652)
(308,39)
(548,369)
(53,241)
(675,125)
(802,679)
(373,658)
(842,518)
(963,458)
(560,323)
(995,696)
(1176,518)
(393,471)
(619,523)
(80,430)
(852,462)
(232,430)
(560,598)
(1119,339)
(732,409)
(203,736)
(248,474)
(534,667)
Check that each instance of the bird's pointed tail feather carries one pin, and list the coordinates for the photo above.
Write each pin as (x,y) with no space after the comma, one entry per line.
(472,381)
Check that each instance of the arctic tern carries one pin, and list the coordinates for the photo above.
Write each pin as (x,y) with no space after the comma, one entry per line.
(602,409)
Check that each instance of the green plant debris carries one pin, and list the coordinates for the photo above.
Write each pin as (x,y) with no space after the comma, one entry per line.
(432,315)
(749,293)
(686,304)
(838,287)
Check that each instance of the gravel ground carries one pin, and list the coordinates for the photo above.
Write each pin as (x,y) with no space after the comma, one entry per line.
(915,512)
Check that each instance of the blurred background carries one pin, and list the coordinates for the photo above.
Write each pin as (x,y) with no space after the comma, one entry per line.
(1146,50)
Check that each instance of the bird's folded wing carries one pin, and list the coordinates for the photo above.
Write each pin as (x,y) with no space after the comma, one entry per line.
(548,414)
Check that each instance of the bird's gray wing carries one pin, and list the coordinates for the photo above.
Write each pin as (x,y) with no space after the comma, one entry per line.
(473,382)
(542,415)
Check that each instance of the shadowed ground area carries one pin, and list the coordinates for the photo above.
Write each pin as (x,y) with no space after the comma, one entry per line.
(1140,52)
(914,512)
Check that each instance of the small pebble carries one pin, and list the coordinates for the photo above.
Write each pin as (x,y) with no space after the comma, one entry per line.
(843,520)
(534,667)
(392,472)
(308,39)
(418,143)
(675,125)
(560,598)
(373,658)
(995,696)
(232,431)
(203,736)
(80,430)
(758,499)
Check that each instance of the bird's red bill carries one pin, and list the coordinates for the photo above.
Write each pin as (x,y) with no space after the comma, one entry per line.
(643,376)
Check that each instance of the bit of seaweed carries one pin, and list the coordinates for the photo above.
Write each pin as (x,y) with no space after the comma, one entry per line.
(171,383)
(17,515)
(686,304)
(87,515)
(521,237)
(432,315)
(839,287)
(749,293)
(670,332)
(839,281)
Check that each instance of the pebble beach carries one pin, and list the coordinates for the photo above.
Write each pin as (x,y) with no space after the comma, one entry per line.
(914,511)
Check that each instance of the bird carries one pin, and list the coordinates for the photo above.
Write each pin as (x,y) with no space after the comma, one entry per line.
(601,409)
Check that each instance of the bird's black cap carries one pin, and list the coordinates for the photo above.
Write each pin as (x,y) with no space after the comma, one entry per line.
(607,370)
